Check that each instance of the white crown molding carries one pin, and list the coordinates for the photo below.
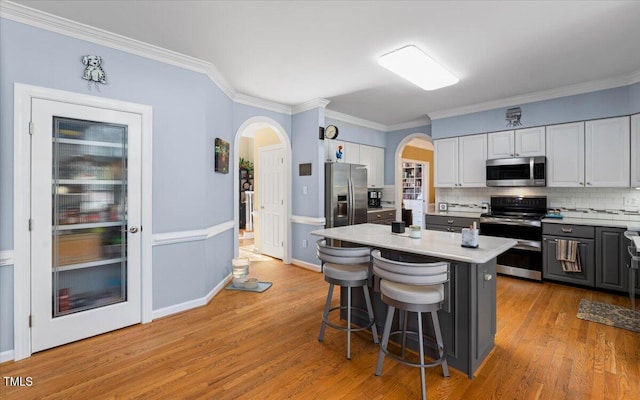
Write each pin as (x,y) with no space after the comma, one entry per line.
(410,124)
(310,105)
(593,86)
(354,120)
(161,239)
(262,103)
(6,258)
(53,23)
(300,219)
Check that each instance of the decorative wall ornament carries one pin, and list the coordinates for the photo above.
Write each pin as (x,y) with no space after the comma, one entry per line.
(513,116)
(221,156)
(93,71)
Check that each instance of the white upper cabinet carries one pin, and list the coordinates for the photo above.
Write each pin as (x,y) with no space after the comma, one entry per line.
(472,161)
(445,162)
(373,159)
(500,145)
(351,153)
(635,150)
(528,142)
(607,157)
(354,153)
(376,179)
(460,161)
(589,154)
(565,155)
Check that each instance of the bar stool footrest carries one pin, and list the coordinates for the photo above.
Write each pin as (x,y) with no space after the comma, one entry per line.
(346,328)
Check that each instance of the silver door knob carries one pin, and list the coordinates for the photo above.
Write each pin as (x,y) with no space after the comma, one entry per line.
(133,229)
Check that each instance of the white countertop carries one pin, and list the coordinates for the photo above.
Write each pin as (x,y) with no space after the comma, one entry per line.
(630,224)
(445,245)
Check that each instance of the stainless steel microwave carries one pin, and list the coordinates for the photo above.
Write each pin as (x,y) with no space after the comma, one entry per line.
(521,171)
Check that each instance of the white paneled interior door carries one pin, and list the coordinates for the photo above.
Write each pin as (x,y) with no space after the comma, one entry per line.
(86,216)
(271,199)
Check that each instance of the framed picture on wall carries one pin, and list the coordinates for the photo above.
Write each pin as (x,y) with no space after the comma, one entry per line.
(222,156)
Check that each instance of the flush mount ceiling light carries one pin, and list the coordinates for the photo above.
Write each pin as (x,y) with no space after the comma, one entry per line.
(418,68)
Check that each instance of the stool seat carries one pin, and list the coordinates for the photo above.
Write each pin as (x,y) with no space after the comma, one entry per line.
(412,294)
(345,272)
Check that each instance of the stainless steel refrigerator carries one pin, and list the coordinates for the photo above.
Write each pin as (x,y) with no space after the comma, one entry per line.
(345,194)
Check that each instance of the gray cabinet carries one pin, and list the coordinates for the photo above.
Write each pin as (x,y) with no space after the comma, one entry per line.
(446,223)
(383,217)
(612,259)
(552,268)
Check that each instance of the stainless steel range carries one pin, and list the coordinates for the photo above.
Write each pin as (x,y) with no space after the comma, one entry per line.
(518,218)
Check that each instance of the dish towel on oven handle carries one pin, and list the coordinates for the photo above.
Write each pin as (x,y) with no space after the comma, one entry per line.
(568,255)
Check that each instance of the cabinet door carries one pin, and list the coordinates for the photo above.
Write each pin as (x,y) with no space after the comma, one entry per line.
(366,159)
(552,268)
(530,142)
(607,156)
(565,155)
(446,162)
(611,266)
(635,150)
(377,167)
(472,161)
(500,145)
(352,153)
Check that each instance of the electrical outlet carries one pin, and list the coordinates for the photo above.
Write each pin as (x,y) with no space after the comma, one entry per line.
(630,201)
(304,243)
(305,190)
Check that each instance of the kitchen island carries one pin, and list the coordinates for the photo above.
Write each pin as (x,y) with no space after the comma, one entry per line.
(468,320)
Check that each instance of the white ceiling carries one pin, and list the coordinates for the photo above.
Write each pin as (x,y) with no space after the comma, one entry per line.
(291,52)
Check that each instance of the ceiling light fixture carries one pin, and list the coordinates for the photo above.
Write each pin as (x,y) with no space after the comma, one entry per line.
(418,68)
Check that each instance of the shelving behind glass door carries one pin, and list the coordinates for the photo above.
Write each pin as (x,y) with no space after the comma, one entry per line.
(89,188)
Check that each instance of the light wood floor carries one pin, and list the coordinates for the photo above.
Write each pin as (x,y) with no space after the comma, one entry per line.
(264,346)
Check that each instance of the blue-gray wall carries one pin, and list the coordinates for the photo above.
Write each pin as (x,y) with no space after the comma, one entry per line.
(358,134)
(189,112)
(599,104)
(634,98)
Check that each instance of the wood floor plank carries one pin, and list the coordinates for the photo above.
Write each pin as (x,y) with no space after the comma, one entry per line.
(250,345)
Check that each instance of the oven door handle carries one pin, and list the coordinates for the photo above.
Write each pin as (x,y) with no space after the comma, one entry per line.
(507,221)
(530,245)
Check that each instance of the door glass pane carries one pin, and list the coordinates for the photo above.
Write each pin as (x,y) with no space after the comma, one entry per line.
(89,215)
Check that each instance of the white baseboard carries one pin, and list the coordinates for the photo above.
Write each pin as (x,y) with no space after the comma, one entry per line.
(306,265)
(188,305)
(6,356)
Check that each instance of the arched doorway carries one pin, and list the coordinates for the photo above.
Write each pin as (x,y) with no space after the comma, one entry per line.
(269,138)
(416,148)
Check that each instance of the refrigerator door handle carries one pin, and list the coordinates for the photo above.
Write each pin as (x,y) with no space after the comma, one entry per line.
(352,204)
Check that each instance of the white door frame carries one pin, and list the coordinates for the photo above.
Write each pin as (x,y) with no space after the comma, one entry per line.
(398,170)
(256,123)
(23,94)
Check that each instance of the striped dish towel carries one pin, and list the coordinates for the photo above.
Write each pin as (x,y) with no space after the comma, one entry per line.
(567,254)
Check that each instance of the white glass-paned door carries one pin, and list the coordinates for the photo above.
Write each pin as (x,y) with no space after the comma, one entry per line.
(85,216)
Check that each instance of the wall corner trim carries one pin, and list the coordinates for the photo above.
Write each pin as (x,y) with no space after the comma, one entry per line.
(195,303)
(6,258)
(6,356)
(161,239)
(300,219)
(306,265)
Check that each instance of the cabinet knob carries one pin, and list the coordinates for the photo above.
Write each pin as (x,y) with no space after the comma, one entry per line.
(589,183)
(488,277)
(133,229)
(567,230)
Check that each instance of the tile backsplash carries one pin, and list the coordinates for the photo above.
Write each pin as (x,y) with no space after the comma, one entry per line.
(572,200)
